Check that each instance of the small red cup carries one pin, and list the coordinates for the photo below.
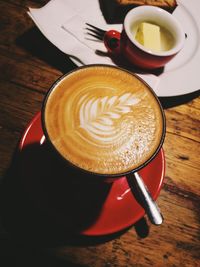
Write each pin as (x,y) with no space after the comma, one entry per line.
(125,44)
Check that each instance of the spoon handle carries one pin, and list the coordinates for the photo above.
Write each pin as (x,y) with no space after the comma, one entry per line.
(149,204)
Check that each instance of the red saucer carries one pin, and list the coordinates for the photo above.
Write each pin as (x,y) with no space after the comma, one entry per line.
(119,208)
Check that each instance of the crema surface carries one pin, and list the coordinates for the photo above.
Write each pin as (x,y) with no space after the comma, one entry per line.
(103,120)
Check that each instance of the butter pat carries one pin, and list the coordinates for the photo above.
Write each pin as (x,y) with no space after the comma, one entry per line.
(148,35)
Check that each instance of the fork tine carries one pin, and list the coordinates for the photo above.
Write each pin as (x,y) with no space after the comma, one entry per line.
(95,33)
(96,28)
(95,36)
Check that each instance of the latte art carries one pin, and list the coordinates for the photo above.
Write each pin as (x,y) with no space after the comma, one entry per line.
(103,120)
(100,116)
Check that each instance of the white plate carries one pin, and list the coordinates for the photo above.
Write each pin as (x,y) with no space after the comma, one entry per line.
(181,76)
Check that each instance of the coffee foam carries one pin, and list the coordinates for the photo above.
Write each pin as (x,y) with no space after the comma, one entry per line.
(103,120)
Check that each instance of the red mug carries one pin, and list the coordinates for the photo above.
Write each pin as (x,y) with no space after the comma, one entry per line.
(125,44)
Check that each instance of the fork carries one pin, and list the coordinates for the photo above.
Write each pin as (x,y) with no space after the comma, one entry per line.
(111,38)
(95,31)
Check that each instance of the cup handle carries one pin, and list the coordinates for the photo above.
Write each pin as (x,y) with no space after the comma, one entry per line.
(112,42)
(145,198)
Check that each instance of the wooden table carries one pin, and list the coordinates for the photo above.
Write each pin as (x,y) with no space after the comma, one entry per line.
(29,64)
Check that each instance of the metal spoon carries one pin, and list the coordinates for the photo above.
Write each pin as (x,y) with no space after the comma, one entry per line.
(145,198)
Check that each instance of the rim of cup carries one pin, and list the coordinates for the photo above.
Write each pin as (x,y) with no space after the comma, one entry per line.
(117,175)
(160,17)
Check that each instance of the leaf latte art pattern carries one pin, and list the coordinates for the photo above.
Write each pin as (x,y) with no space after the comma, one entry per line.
(100,117)
(103,119)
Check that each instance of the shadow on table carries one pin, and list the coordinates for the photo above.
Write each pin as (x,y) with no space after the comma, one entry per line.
(43,205)
(31,211)
(12,255)
(37,45)
(169,102)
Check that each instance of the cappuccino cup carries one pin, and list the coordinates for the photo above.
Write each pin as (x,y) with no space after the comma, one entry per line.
(103,121)
(171,36)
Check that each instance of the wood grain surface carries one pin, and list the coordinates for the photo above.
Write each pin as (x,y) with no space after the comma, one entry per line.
(29,64)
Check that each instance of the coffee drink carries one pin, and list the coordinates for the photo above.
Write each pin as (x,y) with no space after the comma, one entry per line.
(103,119)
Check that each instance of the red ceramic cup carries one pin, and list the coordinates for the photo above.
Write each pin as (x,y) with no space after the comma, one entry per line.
(125,44)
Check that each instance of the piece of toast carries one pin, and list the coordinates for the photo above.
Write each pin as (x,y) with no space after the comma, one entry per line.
(169,4)
(115,10)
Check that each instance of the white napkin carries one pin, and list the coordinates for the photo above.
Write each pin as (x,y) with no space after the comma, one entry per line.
(63,23)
